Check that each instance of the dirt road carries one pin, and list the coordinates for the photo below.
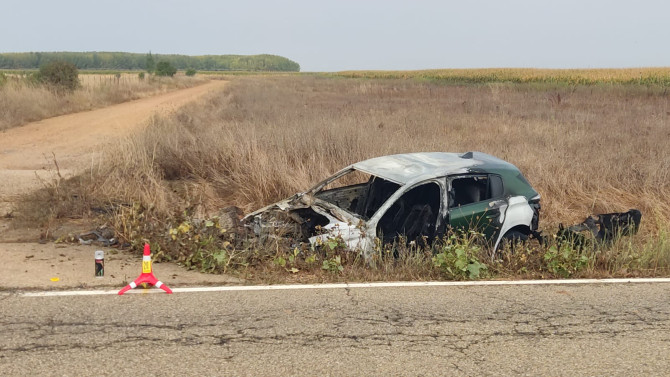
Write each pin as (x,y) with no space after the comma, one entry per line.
(28,152)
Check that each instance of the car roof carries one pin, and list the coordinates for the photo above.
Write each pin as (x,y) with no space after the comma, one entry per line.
(413,167)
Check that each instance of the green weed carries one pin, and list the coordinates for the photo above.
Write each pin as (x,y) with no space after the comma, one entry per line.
(459,257)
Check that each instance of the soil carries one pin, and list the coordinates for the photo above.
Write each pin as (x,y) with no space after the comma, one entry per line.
(65,266)
(27,156)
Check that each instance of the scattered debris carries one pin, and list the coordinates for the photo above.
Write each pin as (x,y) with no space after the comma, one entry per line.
(601,228)
(229,218)
(103,236)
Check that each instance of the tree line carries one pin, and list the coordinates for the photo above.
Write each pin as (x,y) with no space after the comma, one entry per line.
(135,61)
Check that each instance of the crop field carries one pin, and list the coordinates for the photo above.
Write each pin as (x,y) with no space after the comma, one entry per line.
(586,148)
(638,76)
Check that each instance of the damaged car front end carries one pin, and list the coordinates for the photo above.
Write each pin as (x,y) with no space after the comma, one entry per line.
(308,217)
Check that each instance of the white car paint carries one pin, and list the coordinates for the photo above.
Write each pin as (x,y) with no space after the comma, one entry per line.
(350,234)
(518,212)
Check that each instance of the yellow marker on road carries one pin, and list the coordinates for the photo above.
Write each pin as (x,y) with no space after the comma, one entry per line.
(146,266)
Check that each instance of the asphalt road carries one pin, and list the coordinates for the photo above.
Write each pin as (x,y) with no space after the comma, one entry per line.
(594,330)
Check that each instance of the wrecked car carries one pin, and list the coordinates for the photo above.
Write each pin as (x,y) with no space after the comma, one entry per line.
(414,195)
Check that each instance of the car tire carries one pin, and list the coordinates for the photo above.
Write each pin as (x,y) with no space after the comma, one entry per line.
(512,239)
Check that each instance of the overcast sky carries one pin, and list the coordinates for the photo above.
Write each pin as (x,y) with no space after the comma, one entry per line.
(364,34)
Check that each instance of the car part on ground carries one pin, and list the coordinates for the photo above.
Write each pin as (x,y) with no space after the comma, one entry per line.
(102,236)
(600,229)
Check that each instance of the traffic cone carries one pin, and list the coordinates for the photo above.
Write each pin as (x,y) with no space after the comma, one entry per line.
(147,275)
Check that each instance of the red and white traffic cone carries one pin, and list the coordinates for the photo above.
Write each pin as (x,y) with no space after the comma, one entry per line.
(147,275)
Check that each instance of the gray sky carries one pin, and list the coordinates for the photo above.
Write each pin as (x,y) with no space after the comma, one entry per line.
(346,34)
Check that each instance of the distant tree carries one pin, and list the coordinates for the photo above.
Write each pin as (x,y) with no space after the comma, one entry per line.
(150,64)
(59,74)
(141,61)
(165,68)
(190,72)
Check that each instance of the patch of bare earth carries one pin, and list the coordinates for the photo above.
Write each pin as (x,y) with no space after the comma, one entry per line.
(60,266)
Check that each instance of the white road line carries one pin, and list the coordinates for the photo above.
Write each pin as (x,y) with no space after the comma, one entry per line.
(353,285)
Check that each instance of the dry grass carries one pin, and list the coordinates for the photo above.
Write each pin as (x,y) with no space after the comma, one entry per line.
(23,101)
(586,149)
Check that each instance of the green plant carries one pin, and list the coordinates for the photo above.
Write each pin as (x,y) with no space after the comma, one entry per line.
(458,257)
(190,72)
(202,244)
(333,264)
(292,259)
(141,75)
(61,75)
(165,68)
(565,260)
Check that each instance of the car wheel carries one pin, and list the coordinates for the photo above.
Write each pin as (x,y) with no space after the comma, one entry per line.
(512,239)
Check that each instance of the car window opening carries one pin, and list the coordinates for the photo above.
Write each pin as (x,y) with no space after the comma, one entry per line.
(362,198)
(474,189)
(379,192)
(414,214)
(468,190)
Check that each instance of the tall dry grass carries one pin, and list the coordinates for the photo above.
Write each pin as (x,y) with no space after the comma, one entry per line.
(585,149)
(22,100)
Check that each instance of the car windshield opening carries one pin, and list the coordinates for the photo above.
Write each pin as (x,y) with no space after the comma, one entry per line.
(358,193)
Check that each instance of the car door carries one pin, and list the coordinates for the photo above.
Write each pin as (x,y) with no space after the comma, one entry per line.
(475,203)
